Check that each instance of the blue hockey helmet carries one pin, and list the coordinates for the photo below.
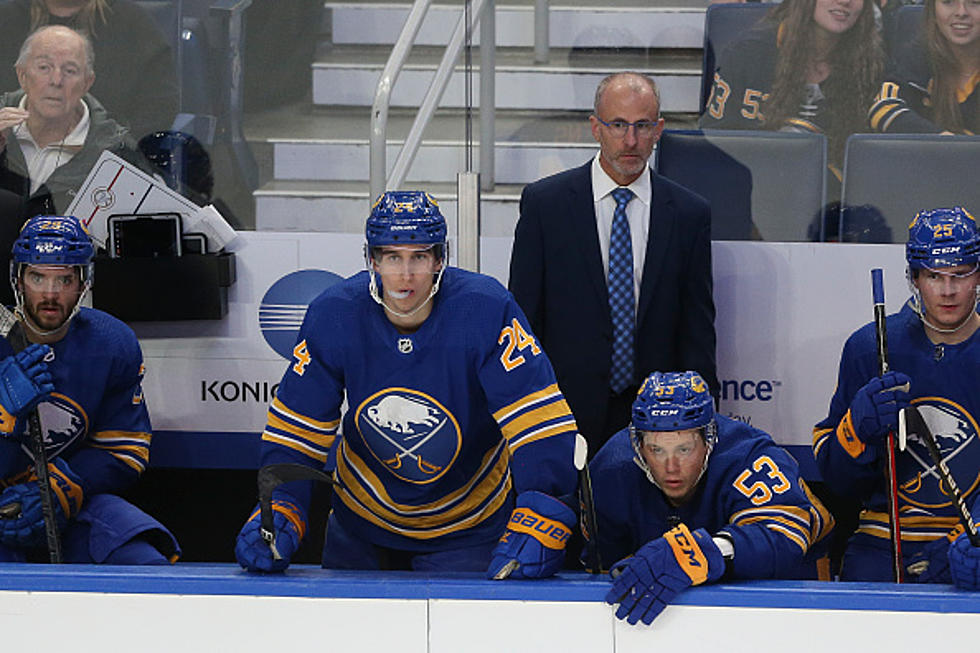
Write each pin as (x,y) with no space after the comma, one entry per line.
(53,240)
(409,217)
(673,401)
(941,238)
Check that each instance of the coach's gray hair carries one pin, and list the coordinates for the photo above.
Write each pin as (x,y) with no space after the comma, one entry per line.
(25,49)
(636,81)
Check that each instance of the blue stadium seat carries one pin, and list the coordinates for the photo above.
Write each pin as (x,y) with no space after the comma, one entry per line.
(888,178)
(722,23)
(902,27)
(762,185)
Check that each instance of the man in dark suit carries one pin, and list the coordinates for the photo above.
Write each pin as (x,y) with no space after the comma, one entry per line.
(581,239)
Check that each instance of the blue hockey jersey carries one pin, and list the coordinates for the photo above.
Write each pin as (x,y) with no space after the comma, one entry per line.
(751,491)
(440,423)
(96,418)
(944,387)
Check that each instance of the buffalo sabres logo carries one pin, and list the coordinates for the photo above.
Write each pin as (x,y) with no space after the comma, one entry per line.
(956,435)
(62,422)
(410,433)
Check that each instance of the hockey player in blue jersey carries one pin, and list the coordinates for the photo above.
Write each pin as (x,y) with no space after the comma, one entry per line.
(934,355)
(453,408)
(82,369)
(685,497)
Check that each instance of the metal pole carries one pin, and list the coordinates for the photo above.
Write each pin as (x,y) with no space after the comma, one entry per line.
(468,221)
(488,99)
(382,97)
(541,29)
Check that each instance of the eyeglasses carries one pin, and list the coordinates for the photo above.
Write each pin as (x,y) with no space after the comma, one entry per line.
(642,128)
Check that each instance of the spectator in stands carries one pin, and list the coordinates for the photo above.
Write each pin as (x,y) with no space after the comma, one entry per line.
(810,65)
(612,265)
(931,86)
(51,131)
(83,371)
(137,79)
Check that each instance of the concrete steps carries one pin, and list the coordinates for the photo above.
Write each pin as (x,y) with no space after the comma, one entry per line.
(314,155)
(614,23)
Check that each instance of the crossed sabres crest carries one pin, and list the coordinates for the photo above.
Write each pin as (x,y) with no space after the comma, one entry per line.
(410,433)
(956,435)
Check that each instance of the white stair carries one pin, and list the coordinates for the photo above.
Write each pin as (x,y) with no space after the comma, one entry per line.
(317,156)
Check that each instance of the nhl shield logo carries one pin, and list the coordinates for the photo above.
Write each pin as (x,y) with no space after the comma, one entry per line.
(956,435)
(405,345)
(410,433)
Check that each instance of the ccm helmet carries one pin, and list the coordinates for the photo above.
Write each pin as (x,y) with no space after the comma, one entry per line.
(942,238)
(672,401)
(52,240)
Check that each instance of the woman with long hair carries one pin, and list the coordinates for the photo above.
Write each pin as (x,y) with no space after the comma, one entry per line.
(809,65)
(931,85)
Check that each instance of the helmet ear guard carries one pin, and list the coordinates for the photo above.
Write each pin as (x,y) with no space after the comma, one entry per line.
(405,218)
(941,238)
(673,401)
(55,240)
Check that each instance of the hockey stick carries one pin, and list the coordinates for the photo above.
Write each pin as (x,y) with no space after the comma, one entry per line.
(11,329)
(881,337)
(269,478)
(911,420)
(586,505)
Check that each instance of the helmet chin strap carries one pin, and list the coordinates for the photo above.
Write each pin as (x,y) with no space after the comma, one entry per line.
(373,287)
(917,307)
(707,436)
(26,319)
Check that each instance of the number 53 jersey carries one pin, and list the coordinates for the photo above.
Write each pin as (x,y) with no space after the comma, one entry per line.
(750,491)
(440,423)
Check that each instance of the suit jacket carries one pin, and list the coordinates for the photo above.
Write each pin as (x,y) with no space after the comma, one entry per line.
(556,274)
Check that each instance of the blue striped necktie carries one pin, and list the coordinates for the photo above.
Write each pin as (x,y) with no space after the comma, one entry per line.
(621,305)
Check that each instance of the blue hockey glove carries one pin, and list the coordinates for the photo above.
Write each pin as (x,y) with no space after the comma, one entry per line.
(645,583)
(931,565)
(253,552)
(21,516)
(24,380)
(964,563)
(874,411)
(533,546)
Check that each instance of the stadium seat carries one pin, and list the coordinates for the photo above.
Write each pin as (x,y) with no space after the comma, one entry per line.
(888,178)
(722,23)
(762,185)
(902,27)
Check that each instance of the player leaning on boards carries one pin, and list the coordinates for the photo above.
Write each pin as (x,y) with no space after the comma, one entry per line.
(84,373)
(451,405)
(696,497)
(933,354)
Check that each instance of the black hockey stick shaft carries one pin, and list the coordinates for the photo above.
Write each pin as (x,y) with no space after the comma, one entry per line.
(269,478)
(11,329)
(589,521)
(917,424)
(891,473)
(587,506)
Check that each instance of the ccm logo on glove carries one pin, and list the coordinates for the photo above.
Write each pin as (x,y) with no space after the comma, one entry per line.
(688,554)
(549,532)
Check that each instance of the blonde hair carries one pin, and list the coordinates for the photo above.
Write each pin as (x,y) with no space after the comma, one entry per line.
(92,13)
